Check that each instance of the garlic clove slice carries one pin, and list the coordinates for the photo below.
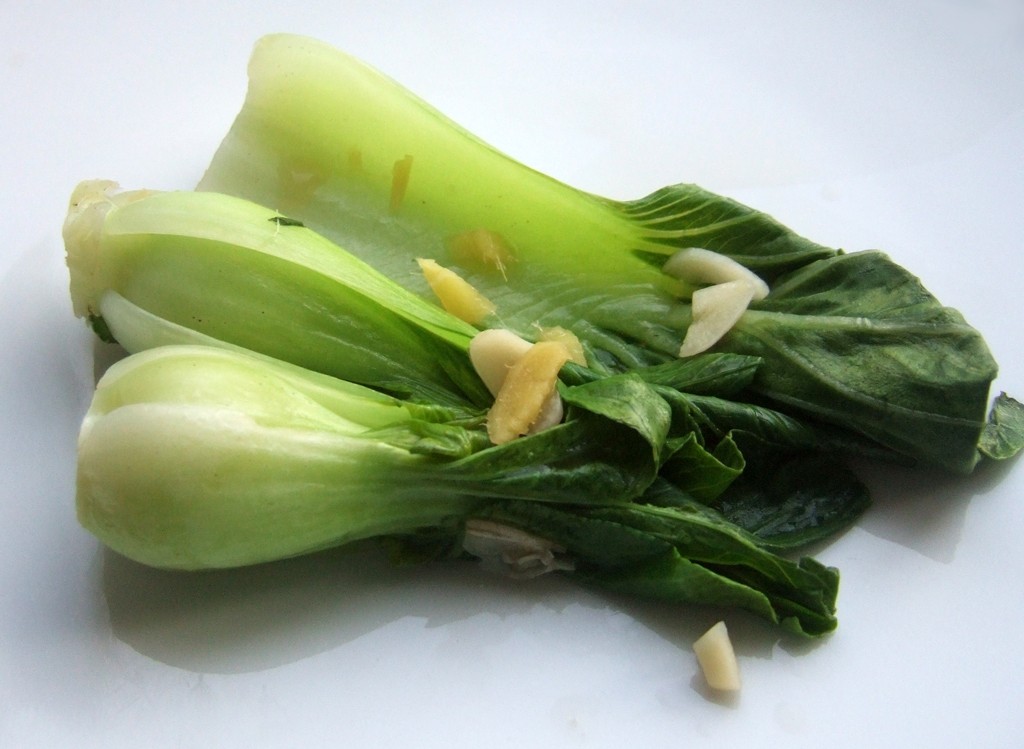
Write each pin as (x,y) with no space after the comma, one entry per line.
(715,310)
(696,265)
(717,659)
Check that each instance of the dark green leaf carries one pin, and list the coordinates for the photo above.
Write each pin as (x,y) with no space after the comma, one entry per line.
(796,501)
(101,329)
(857,341)
(586,460)
(594,543)
(674,578)
(702,474)
(285,221)
(1004,434)
(804,590)
(685,215)
(627,400)
(720,375)
(682,551)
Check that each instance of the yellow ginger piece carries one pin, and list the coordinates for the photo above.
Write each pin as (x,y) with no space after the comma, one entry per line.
(399,182)
(455,293)
(528,386)
(568,339)
(482,250)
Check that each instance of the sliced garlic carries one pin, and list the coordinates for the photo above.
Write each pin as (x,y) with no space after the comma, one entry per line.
(717,659)
(513,551)
(550,413)
(699,266)
(493,353)
(715,310)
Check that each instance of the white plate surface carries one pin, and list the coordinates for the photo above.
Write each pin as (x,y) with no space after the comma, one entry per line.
(870,124)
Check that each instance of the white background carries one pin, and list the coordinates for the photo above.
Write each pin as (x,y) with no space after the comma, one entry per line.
(872,124)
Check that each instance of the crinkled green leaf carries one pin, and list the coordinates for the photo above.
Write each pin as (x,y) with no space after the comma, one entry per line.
(685,215)
(795,501)
(1004,433)
(685,553)
(700,473)
(627,400)
(856,340)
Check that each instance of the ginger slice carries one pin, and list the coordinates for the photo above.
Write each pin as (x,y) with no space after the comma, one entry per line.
(301,181)
(399,182)
(355,160)
(482,250)
(493,353)
(527,388)
(456,294)
(568,339)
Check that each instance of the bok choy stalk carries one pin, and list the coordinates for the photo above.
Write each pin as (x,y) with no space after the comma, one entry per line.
(229,270)
(155,269)
(197,457)
(853,340)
